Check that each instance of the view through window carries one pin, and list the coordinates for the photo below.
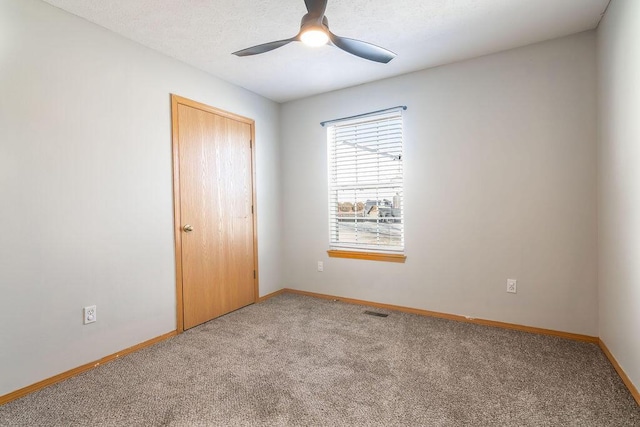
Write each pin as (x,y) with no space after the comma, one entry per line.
(366,183)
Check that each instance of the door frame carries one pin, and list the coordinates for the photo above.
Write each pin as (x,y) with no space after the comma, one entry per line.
(177,100)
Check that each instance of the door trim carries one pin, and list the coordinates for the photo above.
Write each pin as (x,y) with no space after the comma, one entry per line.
(177,100)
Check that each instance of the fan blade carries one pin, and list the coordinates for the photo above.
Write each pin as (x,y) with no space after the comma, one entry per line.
(362,49)
(262,48)
(316,7)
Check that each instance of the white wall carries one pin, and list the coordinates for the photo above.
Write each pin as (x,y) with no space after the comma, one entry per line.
(500,179)
(86,189)
(619,184)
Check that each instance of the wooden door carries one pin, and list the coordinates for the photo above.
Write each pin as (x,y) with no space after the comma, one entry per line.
(215,228)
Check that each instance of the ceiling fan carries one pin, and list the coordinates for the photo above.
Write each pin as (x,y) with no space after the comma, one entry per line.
(314,31)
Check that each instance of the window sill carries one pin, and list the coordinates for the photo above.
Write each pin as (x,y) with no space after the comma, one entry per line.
(370,256)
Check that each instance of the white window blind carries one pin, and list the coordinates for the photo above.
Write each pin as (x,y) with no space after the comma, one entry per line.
(366,183)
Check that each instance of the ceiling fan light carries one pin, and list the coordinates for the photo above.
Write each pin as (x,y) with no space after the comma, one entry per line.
(314,37)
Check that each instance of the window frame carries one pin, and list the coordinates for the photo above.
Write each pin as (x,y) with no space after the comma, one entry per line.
(391,121)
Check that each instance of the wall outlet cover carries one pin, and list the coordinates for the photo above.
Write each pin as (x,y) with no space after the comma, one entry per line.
(512,286)
(90,314)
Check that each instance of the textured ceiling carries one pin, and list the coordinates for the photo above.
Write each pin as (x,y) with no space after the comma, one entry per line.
(424,33)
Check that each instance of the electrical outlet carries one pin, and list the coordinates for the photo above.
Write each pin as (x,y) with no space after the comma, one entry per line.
(512,286)
(320,266)
(90,314)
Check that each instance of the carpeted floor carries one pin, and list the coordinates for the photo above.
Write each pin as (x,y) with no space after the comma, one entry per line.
(296,360)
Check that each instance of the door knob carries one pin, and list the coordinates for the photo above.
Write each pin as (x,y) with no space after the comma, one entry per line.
(187,228)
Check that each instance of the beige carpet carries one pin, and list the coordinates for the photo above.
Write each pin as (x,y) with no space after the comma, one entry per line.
(296,360)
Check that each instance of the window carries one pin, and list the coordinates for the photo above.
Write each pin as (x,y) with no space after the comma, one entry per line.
(366,187)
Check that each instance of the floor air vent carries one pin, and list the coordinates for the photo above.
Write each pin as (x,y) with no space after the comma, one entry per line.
(374,313)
